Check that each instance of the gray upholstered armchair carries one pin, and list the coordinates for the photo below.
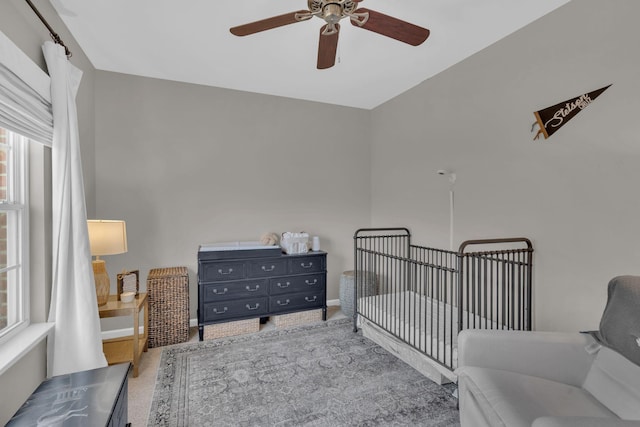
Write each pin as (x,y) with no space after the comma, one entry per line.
(550,379)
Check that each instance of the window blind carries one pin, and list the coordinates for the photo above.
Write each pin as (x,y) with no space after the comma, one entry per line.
(25,98)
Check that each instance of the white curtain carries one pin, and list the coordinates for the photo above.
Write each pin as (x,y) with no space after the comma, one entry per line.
(76,343)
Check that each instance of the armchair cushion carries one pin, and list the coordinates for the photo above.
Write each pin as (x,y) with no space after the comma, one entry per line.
(582,422)
(512,399)
(552,355)
(615,382)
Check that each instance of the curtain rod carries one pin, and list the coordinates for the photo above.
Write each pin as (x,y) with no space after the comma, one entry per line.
(56,38)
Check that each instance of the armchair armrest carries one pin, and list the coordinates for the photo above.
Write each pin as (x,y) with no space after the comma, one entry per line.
(556,356)
(582,422)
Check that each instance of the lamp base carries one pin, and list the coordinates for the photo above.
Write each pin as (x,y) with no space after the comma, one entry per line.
(103,286)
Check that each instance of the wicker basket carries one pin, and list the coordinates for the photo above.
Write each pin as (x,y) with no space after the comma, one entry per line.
(168,290)
(239,327)
(299,318)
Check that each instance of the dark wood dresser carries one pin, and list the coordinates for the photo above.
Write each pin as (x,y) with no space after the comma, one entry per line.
(97,397)
(257,283)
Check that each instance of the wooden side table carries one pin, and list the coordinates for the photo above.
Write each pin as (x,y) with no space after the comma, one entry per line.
(127,349)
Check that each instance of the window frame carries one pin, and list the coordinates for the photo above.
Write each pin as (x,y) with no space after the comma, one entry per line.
(17,204)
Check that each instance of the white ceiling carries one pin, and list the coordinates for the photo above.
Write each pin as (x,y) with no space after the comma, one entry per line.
(189,41)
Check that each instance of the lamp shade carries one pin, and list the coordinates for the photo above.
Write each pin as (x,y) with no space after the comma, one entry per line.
(107,237)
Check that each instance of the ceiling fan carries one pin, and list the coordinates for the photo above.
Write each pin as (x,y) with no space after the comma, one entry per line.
(332,11)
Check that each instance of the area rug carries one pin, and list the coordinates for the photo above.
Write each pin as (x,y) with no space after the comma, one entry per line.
(317,375)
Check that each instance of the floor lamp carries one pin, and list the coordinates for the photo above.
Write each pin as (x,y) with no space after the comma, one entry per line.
(106,237)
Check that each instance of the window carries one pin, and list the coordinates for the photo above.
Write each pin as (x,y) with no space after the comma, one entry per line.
(14,289)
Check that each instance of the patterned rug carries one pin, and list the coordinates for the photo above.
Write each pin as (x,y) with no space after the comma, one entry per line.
(316,375)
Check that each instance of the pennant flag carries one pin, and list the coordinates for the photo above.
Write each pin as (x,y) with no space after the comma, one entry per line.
(553,118)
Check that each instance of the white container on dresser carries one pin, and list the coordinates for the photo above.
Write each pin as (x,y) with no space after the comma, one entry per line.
(245,280)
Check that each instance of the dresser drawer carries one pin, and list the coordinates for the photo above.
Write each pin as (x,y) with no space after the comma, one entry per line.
(231,290)
(267,267)
(291,302)
(302,265)
(293,284)
(221,271)
(236,308)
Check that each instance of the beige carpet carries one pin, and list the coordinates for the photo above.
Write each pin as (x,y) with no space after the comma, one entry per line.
(141,388)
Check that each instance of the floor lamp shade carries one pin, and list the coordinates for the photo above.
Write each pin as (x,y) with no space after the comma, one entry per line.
(106,237)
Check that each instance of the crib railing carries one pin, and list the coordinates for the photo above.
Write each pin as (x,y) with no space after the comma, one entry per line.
(495,285)
(425,296)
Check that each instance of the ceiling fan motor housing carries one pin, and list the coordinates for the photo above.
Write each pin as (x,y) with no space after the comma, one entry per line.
(332,11)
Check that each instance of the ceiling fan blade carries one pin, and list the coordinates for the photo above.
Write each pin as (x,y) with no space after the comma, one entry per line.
(327,47)
(267,24)
(393,27)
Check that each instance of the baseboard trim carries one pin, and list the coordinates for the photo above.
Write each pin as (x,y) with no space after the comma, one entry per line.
(119,333)
(126,332)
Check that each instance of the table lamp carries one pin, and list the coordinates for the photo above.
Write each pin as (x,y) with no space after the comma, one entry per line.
(106,237)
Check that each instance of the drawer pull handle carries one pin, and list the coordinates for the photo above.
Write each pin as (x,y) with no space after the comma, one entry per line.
(311,283)
(253,308)
(264,268)
(228,271)
(303,265)
(283,286)
(248,288)
(215,310)
(283,303)
(307,299)
(218,292)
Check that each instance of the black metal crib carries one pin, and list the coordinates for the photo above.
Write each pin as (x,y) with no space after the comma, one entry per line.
(425,296)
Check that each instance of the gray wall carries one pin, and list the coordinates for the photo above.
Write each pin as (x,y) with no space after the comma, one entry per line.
(186,164)
(574,194)
(20,24)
